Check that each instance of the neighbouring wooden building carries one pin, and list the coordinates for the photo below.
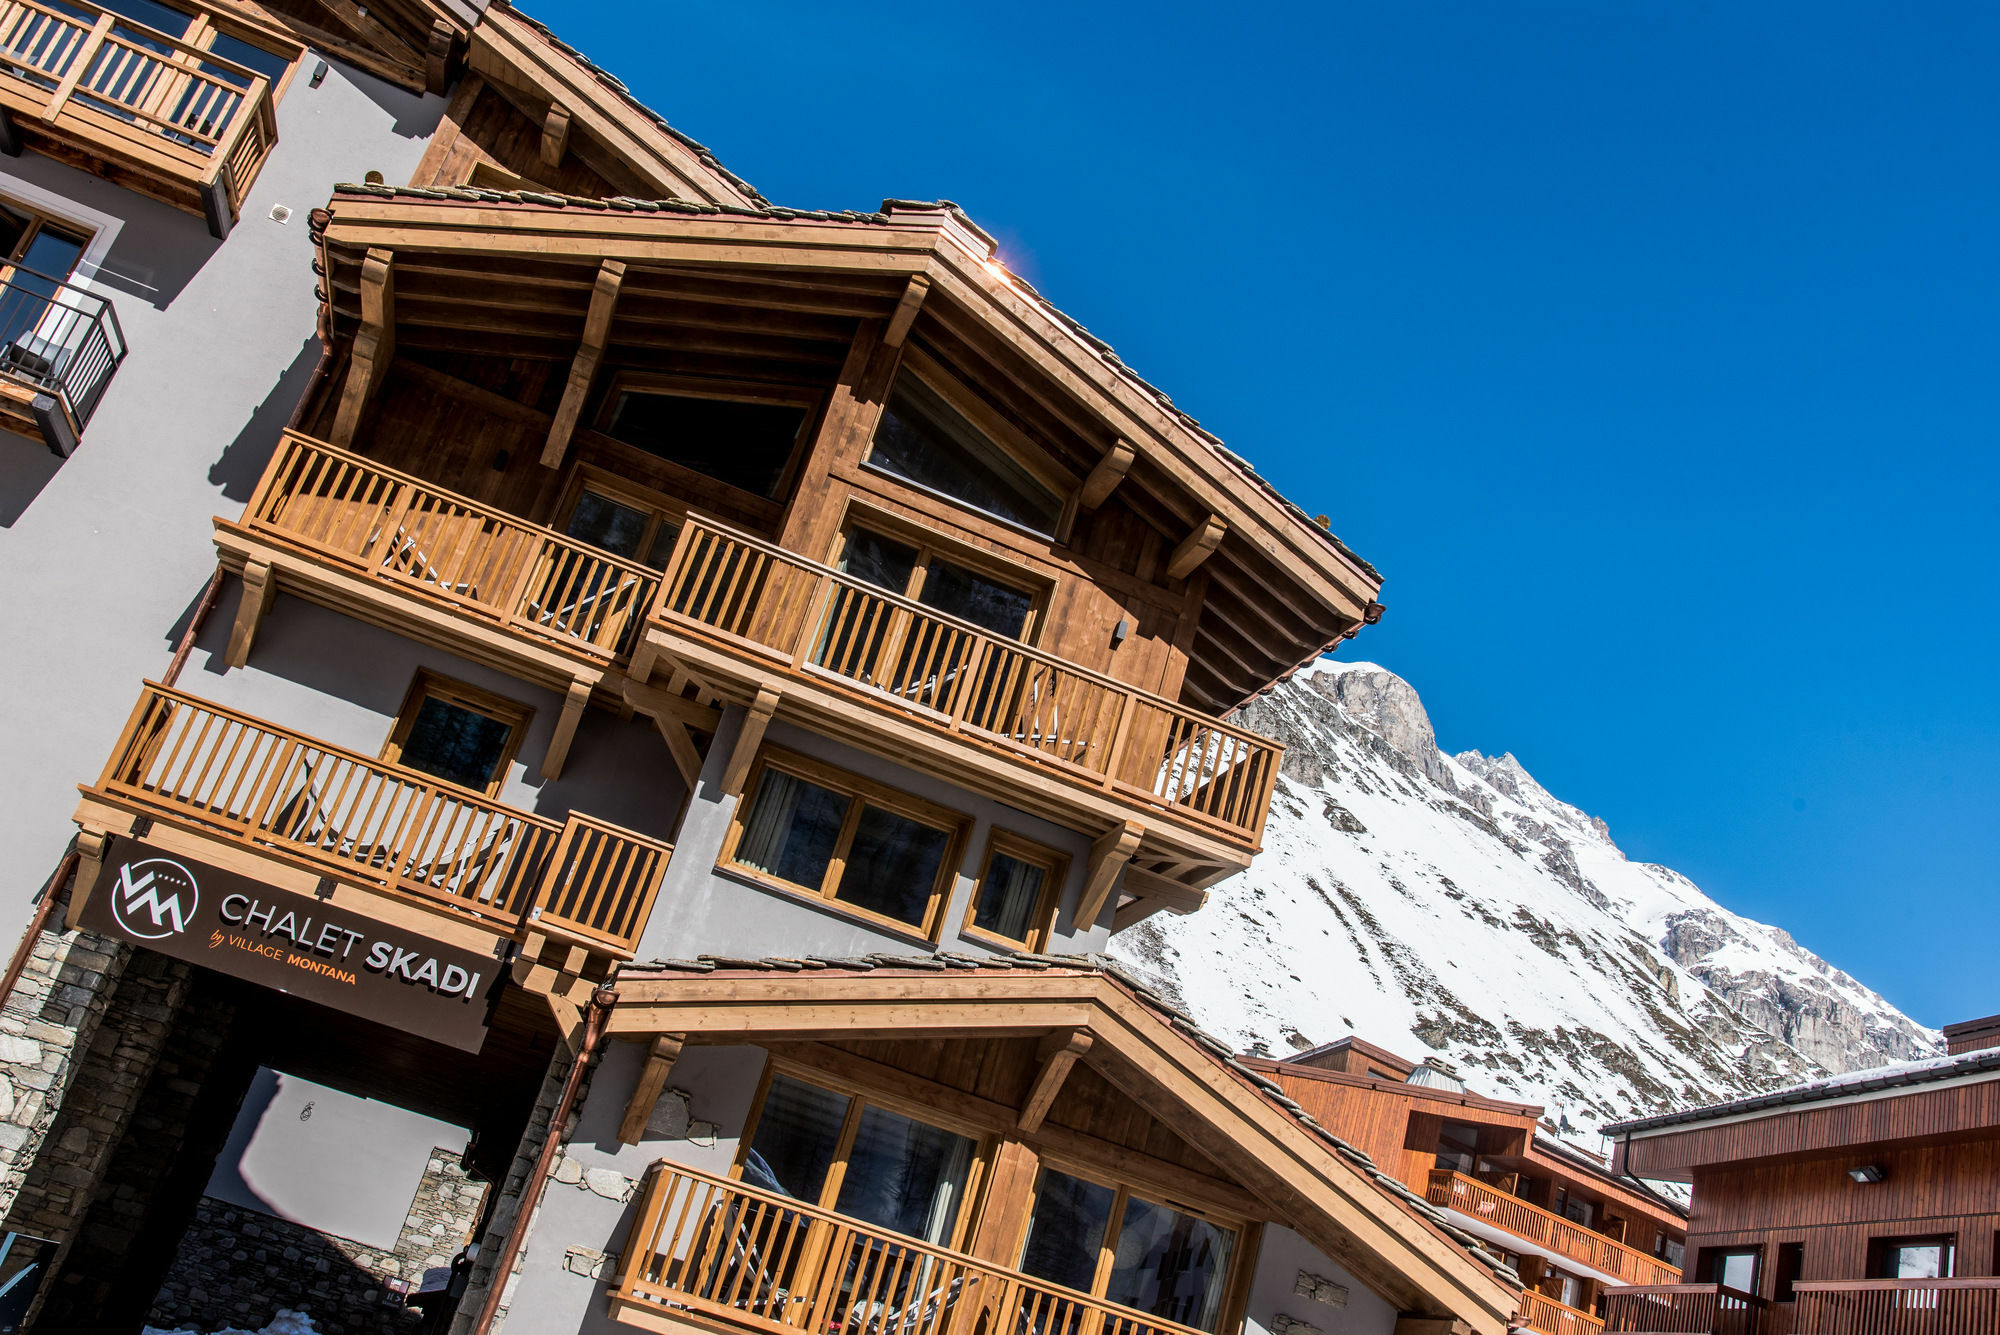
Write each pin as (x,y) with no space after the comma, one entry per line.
(614,719)
(1863,1204)
(1573,1229)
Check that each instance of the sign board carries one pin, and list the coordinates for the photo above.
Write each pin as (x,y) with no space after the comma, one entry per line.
(299,945)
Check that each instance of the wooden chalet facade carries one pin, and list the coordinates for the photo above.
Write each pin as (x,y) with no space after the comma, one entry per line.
(1863,1204)
(626,725)
(1573,1230)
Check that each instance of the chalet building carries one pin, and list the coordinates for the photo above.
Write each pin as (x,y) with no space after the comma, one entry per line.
(603,726)
(1569,1226)
(1863,1204)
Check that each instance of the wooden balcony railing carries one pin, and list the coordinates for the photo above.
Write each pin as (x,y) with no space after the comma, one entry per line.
(1682,1309)
(383,826)
(808,619)
(399,531)
(1896,1307)
(722,1252)
(1628,1265)
(1542,1313)
(161,106)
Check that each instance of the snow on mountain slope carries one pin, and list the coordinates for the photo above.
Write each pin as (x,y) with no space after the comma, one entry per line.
(1442,905)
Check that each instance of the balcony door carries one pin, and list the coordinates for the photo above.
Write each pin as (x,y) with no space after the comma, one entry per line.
(38,328)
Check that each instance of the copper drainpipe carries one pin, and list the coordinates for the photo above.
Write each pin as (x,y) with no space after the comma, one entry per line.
(601,1002)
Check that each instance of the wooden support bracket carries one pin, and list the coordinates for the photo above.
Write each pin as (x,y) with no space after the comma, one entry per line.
(1059,1052)
(906,311)
(1106,476)
(374,344)
(92,847)
(440,56)
(260,590)
(574,703)
(680,745)
(569,1021)
(666,1050)
(582,371)
(555,135)
(1108,856)
(755,720)
(1196,547)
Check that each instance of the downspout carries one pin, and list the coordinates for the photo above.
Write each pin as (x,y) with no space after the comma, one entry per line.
(601,1002)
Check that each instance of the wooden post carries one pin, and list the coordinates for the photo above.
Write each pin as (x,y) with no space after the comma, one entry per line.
(582,371)
(666,1050)
(92,847)
(574,703)
(1108,856)
(755,720)
(374,344)
(1104,478)
(80,65)
(438,59)
(260,590)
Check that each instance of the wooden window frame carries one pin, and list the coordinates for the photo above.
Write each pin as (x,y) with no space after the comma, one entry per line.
(206,22)
(38,219)
(861,791)
(933,545)
(732,391)
(660,507)
(1055,874)
(426,684)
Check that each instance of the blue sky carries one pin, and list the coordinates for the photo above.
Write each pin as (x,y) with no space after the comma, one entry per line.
(1649,349)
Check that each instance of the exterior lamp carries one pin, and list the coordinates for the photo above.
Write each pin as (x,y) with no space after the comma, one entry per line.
(1867,1173)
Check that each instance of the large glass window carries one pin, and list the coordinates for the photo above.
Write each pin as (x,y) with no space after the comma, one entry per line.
(1016,895)
(457,733)
(920,573)
(1113,1244)
(746,445)
(922,439)
(1911,1258)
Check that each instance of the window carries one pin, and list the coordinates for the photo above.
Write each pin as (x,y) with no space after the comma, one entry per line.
(457,733)
(746,443)
(1574,1209)
(919,572)
(1734,1267)
(1791,1268)
(1910,1258)
(1111,1244)
(203,34)
(1670,1249)
(866,1161)
(923,440)
(623,521)
(1458,1147)
(39,330)
(1019,884)
(837,836)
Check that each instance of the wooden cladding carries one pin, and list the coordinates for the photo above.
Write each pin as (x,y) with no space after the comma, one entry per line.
(1469,1196)
(1683,1309)
(755,1260)
(192,127)
(1897,1307)
(395,529)
(1544,1314)
(382,826)
(893,653)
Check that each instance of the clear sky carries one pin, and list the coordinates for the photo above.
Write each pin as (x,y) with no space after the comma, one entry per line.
(1648,348)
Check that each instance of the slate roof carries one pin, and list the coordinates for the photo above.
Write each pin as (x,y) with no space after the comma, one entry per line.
(1103,966)
(1899,1075)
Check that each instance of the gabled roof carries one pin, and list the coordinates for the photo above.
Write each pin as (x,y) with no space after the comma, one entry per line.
(1324,1188)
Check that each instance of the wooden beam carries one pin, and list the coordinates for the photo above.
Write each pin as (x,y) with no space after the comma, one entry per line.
(666,1050)
(374,344)
(680,745)
(1059,1053)
(906,311)
(1104,478)
(260,590)
(596,330)
(1108,856)
(439,56)
(575,701)
(672,704)
(555,135)
(92,847)
(755,720)
(569,1020)
(1173,896)
(1196,547)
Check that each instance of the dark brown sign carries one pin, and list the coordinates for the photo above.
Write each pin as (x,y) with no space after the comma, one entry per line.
(233,924)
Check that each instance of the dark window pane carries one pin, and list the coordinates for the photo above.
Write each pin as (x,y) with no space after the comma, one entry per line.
(958,592)
(922,439)
(905,1175)
(746,445)
(170,21)
(880,561)
(603,522)
(456,744)
(267,63)
(1066,1232)
(13,226)
(797,1134)
(792,829)
(1170,1264)
(892,866)
(1008,897)
(662,549)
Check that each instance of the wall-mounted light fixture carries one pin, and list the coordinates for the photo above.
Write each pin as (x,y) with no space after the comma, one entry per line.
(319,74)
(1868,1172)
(1119,632)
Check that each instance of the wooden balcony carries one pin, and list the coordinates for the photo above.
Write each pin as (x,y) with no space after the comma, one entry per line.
(1545,1314)
(1563,1237)
(391,830)
(730,1256)
(771,617)
(136,105)
(1683,1309)
(1896,1307)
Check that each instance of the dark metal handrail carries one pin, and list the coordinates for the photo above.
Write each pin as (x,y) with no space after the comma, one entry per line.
(60,338)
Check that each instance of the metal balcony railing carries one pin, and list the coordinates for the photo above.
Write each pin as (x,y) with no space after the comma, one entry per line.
(59,339)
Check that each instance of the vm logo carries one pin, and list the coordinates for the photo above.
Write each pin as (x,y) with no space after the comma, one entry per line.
(154,899)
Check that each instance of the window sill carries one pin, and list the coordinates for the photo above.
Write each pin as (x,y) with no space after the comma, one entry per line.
(979,936)
(730,871)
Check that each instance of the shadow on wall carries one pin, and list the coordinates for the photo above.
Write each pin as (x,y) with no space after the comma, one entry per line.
(155,256)
(26,466)
(242,460)
(417,114)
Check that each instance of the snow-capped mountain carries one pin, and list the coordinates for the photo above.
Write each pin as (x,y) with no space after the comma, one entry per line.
(1450,906)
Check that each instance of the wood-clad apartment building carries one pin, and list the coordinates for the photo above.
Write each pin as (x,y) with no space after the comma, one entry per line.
(602,723)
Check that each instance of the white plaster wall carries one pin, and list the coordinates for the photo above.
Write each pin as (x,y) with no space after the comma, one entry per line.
(106,551)
(1279,1260)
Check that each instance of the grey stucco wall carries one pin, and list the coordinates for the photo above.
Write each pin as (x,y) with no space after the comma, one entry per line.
(1280,1258)
(705,911)
(112,546)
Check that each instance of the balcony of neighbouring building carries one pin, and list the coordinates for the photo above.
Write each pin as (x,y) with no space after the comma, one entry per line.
(1544,1314)
(1894,1307)
(267,798)
(59,347)
(1684,1309)
(158,112)
(1530,1227)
